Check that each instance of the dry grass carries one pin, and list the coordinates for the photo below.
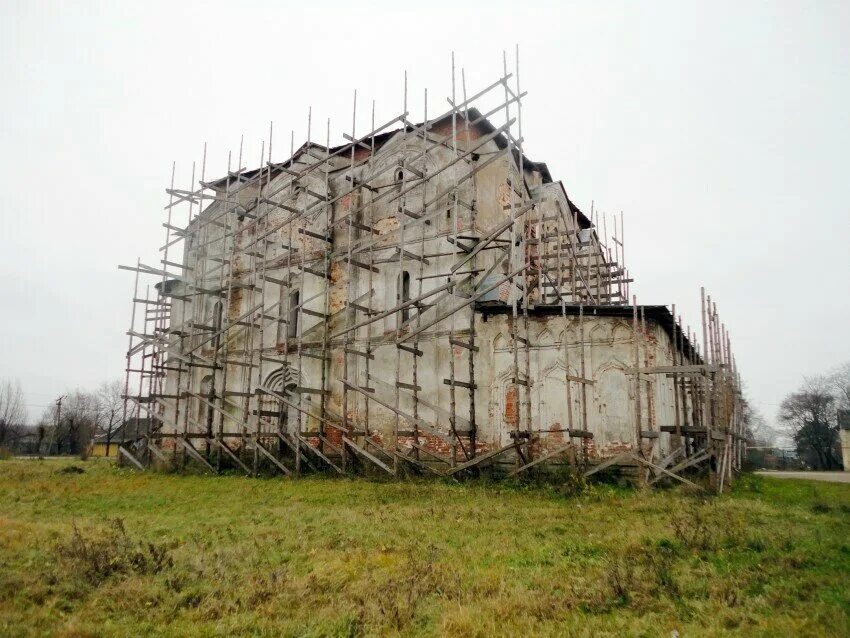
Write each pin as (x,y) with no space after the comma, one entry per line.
(115,552)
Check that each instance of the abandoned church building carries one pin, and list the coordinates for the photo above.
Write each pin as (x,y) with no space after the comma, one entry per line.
(421,299)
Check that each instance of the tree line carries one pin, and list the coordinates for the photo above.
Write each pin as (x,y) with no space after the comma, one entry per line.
(809,417)
(67,426)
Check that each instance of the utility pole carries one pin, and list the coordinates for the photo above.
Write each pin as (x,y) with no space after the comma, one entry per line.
(58,419)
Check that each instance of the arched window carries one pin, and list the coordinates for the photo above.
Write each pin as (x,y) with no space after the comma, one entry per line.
(404,294)
(399,177)
(292,325)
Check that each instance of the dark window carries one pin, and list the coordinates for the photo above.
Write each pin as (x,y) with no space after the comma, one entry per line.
(405,294)
(292,326)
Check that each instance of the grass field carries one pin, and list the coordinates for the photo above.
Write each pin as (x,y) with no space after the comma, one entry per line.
(114,552)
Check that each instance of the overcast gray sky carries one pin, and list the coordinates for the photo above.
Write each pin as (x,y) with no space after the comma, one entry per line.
(722,130)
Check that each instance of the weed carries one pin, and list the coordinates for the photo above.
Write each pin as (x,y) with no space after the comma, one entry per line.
(98,555)
(694,528)
(620,576)
(403,592)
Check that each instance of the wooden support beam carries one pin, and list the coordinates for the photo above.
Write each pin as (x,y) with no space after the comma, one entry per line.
(158,453)
(666,472)
(463,344)
(462,384)
(306,445)
(685,464)
(543,458)
(271,457)
(358,353)
(126,454)
(191,451)
(412,350)
(226,449)
(310,233)
(482,458)
(607,463)
(416,462)
(365,454)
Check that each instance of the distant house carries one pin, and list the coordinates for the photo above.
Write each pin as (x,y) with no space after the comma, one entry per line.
(106,444)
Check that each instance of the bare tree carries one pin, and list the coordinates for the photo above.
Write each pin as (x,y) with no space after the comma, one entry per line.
(83,416)
(109,409)
(13,412)
(810,419)
(839,381)
(71,431)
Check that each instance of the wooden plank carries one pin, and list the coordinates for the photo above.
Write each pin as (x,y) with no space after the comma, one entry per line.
(482,458)
(364,453)
(262,450)
(670,457)
(306,445)
(310,233)
(358,353)
(416,463)
(463,344)
(294,448)
(361,264)
(657,468)
(302,390)
(548,456)
(130,457)
(689,462)
(157,452)
(462,384)
(226,449)
(606,464)
(190,449)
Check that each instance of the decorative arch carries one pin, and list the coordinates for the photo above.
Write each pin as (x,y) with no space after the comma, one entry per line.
(612,395)
(622,332)
(557,366)
(570,331)
(499,343)
(550,396)
(282,380)
(600,332)
(507,395)
(545,338)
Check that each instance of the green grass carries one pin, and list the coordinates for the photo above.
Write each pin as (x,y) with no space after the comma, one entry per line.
(332,557)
